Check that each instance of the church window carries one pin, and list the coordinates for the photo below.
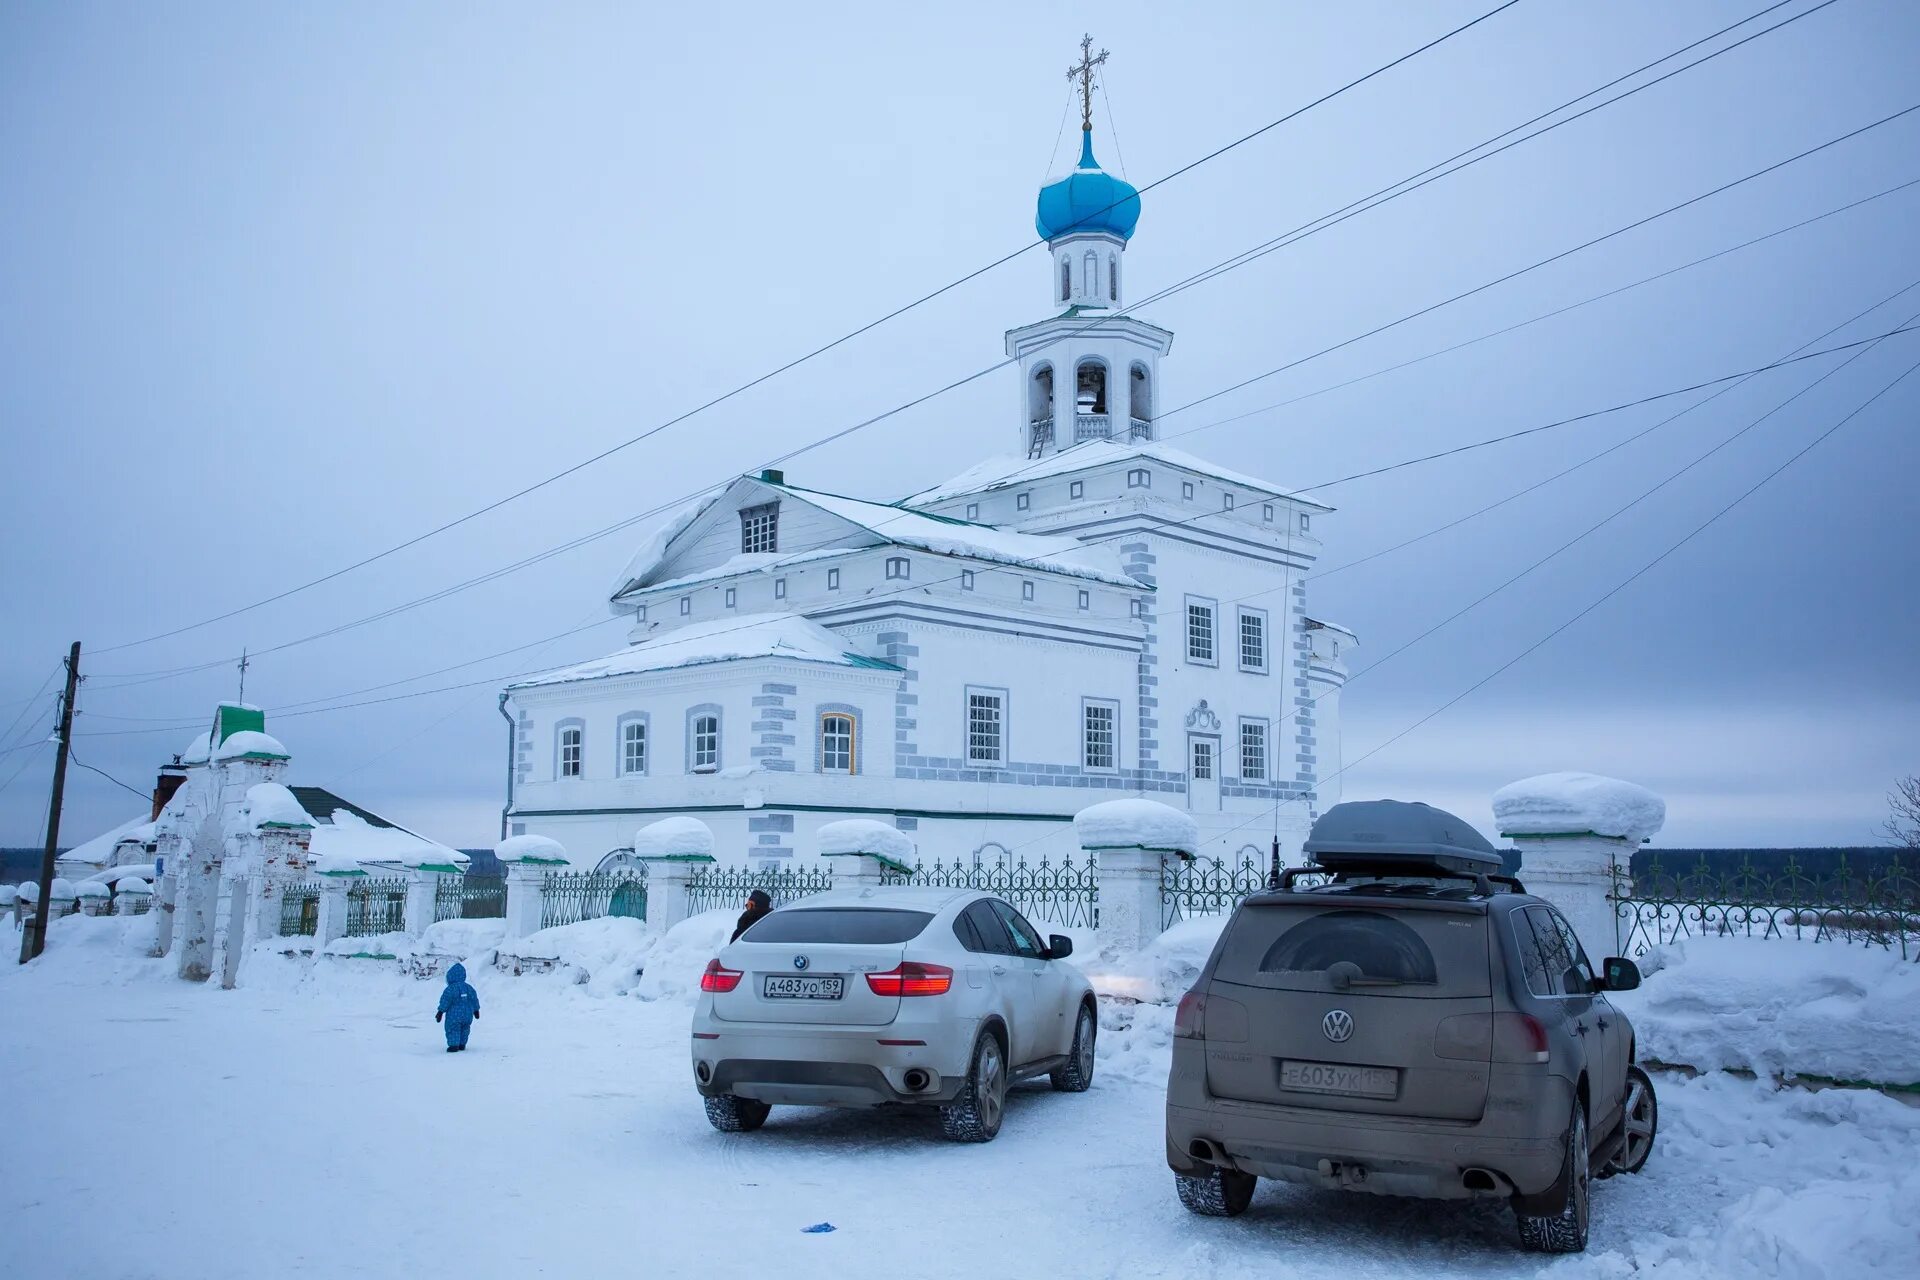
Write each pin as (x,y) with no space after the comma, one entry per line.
(1066,279)
(732,596)
(899,567)
(633,747)
(570,750)
(760,529)
(1186,488)
(1253,750)
(966,579)
(1226,502)
(1026,589)
(1099,734)
(833,579)
(1266,511)
(779,588)
(686,605)
(1086,600)
(1090,273)
(973,511)
(1113,278)
(1023,501)
(703,742)
(1139,478)
(1200,647)
(1077,489)
(836,743)
(1253,640)
(986,726)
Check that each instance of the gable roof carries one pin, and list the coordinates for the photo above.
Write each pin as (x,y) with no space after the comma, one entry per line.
(1012,469)
(753,635)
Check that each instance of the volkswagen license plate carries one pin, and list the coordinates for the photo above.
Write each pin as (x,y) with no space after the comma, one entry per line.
(1335,1077)
(777,986)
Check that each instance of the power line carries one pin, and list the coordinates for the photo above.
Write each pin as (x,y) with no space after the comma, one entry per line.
(810,355)
(110,778)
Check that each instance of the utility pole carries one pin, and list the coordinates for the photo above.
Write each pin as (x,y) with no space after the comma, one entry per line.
(34,940)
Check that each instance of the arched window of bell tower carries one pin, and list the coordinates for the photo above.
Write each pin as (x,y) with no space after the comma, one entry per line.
(1090,274)
(1090,402)
(1066,278)
(1140,402)
(1113,278)
(1040,396)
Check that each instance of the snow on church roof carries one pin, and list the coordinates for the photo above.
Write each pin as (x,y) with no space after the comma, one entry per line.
(1011,469)
(753,635)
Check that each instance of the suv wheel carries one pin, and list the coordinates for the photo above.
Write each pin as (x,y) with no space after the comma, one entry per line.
(1077,1074)
(974,1116)
(729,1114)
(1639,1119)
(1217,1193)
(1563,1228)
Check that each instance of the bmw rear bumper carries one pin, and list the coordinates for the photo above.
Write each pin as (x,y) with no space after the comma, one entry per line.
(830,1067)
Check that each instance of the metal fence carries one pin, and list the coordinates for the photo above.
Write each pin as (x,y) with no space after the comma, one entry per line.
(1065,893)
(710,888)
(1660,905)
(568,897)
(469,897)
(376,907)
(1213,886)
(300,911)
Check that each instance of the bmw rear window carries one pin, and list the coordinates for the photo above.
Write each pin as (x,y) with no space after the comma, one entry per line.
(1301,947)
(856,926)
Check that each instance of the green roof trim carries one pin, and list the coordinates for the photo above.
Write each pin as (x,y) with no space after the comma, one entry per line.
(446,867)
(871,664)
(284,826)
(677,857)
(343,875)
(891,864)
(540,862)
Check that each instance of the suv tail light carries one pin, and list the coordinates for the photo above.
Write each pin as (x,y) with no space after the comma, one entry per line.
(718,977)
(1499,1037)
(910,978)
(1189,1021)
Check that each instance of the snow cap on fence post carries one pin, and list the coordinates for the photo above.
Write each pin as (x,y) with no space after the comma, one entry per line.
(528,860)
(1128,840)
(872,849)
(1576,833)
(132,896)
(673,849)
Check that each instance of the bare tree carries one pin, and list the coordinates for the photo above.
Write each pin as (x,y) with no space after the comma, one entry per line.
(1904,800)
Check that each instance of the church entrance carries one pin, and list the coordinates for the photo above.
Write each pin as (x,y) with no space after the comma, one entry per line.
(1203,772)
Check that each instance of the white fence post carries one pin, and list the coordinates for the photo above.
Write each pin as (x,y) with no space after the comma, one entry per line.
(669,894)
(1128,840)
(331,923)
(528,859)
(864,850)
(1576,833)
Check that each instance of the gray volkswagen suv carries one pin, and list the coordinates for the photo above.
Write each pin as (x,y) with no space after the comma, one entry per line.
(1415,1025)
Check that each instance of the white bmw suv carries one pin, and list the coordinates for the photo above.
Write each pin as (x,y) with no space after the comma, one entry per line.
(863,997)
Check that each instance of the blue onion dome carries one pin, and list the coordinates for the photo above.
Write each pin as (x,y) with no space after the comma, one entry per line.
(1088,199)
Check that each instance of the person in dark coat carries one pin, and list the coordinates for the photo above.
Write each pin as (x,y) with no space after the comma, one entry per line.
(459,1006)
(758,905)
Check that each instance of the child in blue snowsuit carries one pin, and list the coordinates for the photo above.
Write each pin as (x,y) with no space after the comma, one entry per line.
(459,1006)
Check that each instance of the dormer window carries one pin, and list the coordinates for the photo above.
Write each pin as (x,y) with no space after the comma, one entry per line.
(899,567)
(760,529)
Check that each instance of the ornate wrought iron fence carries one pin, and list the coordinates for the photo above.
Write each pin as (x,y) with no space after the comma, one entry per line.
(1066,892)
(568,897)
(469,897)
(1214,887)
(713,887)
(300,911)
(1662,905)
(376,906)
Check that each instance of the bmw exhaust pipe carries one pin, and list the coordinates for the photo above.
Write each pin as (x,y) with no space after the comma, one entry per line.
(917,1080)
(703,1073)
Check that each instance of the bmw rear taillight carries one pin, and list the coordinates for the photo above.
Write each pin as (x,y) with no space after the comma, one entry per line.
(720,978)
(1499,1037)
(1189,1021)
(910,978)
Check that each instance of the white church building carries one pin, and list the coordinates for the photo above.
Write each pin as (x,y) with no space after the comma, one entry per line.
(1092,615)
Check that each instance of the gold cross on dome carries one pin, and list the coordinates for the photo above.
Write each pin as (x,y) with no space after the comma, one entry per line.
(1083,72)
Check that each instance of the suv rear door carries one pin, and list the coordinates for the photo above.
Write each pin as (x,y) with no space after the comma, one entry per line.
(1346,1003)
(1557,971)
(794,943)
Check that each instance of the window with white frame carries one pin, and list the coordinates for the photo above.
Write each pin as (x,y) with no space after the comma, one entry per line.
(686,605)
(1200,639)
(731,597)
(986,726)
(1022,501)
(779,588)
(1139,478)
(836,742)
(899,567)
(1186,488)
(1306,522)
(1266,511)
(1139,609)
(760,528)
(570,751)
(1026,589)
(1086,600)
(633,747)
(1253,640)
(833,579)
(966,579)
(639,613)
(1076,489)
(704,747)
(1226,502)
(973,511)
(1099,734)
(1253,750)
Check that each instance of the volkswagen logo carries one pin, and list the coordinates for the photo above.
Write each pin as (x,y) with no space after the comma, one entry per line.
(799,962)
(1338,1025)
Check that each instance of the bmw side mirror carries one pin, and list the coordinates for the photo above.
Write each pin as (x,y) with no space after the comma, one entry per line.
(1059,946)
(1622,974)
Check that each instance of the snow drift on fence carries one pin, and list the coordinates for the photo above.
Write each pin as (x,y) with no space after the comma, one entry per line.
(1577,803)
(673,838)
(673,968)
(865,835)
(1117,824)
(606,953)
(1847,1011)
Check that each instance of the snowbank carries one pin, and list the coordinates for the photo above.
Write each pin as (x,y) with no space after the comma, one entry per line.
(373,944)
(1555,804)
(1145,823)
(250,742)
(461,938)
(1780,1008)
(1162,971)
(271,805)
(536,849)
(607,954)
(673,969)
(674,838)
(865,835)
(334,862)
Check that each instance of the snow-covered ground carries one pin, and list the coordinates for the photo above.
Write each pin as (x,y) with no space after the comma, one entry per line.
(310,1124)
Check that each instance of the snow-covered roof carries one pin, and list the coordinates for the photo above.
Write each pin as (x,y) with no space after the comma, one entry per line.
(677,837)
(1558,804)
(346,836)
(1321,624)
(250,742)
(198,749)
(864,835)
(1012,469)
(536,849)
(753,635)
(271,805)
(99,850)
(1145,824)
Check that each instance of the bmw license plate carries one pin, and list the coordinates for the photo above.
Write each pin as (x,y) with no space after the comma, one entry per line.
(1335,1077)
(777,986)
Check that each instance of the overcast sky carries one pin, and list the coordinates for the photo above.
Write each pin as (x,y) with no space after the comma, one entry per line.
(284,285)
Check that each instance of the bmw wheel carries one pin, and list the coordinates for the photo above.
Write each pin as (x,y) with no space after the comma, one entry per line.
(1077,1073)
(975,1115)
(729,1114)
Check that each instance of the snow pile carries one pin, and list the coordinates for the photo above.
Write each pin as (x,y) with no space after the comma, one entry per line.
(674,838)
(271,805)
(1778,1007)
(8,894)
(397,943)
(132,884)
(348,835)
(250,742)
(607,953)
(865,835)
(334,862)
(674,967)
(198,750)
(128,871)
(537,849)
(1147,824)
(651,556)
(1162,971)
(461,938)
(1554,804)
(753,635)
(62,890)
(91,889)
